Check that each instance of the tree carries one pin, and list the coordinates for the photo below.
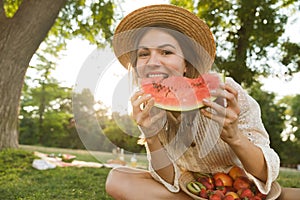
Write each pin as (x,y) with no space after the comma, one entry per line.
(23,27)
(292,153)
(249,35)
(272,115)
(293,116)
(45,108)
(291,135)
(90,122)
(122,131)
(296,116)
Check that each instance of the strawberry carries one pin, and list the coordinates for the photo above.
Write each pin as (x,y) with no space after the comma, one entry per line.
(219,182)
(255,198)
(222,189)
(207,182)
(228,197)
(215,197)
(241,183)
(243,193)
(203,193)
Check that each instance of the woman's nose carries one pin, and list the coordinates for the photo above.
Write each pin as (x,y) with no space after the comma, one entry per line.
(153,59)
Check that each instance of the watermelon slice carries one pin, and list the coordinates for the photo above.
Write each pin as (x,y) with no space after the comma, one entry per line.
(178,93)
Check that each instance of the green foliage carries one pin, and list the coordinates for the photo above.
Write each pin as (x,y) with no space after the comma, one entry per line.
(293,116)
(272,115)
(90,122)
(274,118)
(290,154)
(291,57)
(187,4)
(45,106)
(296,111)
(124,133)
(46,118)
(100,130)
(11,7)
(89,20)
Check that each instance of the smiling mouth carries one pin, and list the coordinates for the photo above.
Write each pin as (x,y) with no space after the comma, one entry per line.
(163,75)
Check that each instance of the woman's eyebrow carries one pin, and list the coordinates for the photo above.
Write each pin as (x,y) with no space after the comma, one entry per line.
(142,47)
(159,47)
(166,45)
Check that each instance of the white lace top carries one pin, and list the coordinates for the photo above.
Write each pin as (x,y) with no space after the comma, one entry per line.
(221,157)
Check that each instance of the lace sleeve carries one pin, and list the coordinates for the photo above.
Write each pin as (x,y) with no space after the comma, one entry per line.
(250,123)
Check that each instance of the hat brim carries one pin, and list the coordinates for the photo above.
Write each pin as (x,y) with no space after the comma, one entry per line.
(170,16)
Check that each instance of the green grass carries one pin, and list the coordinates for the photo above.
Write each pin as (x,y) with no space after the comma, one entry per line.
(289,178)
(93,156)
(60,183)
(19,181)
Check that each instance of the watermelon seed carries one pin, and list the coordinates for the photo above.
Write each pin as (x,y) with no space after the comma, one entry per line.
(168,92)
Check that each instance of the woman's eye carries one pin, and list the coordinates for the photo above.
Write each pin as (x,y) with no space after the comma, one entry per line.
(166,52)
(143,54)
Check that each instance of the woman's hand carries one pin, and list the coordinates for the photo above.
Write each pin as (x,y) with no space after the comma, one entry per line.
(149,118)
(226,114)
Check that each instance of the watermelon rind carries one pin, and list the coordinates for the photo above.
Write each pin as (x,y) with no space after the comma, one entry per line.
(196,102)
(182,108)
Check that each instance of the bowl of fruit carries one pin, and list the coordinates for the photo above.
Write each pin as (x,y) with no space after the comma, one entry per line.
(234,185)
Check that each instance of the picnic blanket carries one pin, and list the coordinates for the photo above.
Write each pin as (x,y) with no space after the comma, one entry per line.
(49,162)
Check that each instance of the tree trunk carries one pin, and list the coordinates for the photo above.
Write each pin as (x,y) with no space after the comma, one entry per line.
(20,37)
(244,74)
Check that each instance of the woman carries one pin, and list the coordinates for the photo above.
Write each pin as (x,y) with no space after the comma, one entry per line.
(163,41)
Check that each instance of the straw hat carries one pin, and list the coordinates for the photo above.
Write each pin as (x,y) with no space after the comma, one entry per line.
(168,16)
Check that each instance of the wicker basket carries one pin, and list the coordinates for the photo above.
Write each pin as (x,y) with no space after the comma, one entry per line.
(186,177)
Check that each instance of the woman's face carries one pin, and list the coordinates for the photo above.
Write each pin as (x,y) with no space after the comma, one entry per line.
(159,55)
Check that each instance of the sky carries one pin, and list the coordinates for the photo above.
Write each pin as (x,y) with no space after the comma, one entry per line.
(84,66)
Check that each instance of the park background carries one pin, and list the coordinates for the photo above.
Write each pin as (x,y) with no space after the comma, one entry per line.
(41,108)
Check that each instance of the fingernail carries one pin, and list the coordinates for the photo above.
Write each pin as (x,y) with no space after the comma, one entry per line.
(222,84)
(213,91)
(205,100)
(148,95)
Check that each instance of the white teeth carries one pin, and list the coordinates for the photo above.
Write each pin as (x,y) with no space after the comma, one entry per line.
(157,75)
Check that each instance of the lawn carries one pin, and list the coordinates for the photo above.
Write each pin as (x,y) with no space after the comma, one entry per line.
(18,180)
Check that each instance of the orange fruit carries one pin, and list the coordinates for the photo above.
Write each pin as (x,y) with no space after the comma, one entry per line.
(233,194)
(225,178)
(236,172)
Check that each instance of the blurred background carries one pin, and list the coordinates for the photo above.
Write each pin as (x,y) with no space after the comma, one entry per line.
(70,69)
